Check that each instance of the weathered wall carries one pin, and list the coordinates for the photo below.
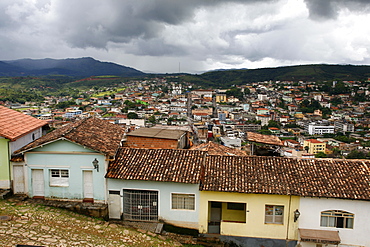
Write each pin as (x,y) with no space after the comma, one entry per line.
(4,164)
(147,142)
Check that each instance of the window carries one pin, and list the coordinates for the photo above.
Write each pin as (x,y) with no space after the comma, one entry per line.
(59,177)
(183,201)
(337,218)
(274,214)
(236,206)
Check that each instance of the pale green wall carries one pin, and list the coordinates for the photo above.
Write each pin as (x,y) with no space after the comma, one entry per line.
(4,164)
(62,146)
(70,156)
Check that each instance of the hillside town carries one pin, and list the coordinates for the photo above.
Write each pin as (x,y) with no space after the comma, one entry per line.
(264,164)
(309,122)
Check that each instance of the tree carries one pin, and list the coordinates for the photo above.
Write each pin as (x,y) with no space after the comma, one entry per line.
(354,154)
(132,115)
(321,155)
(306,148)
(273,123)
(236,92)
(152,119)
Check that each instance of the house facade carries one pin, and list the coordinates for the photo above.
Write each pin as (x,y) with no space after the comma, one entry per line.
(314,146)
(157,138)
(346,220)
(70,163)
(249,218)
(16,130)
(156,185)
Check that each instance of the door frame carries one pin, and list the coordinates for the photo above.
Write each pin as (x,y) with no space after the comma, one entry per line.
(88,199)
(23,179)
(42,195)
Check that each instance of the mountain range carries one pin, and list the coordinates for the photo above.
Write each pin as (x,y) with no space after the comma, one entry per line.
(87,67)
(75,67)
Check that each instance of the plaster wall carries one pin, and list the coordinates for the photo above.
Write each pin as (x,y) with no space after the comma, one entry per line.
(4,164)
(24,140)
(67,156)
(311,209)
(255,225)
(178,217)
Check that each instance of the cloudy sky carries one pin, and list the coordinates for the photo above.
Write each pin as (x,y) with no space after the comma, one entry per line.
(188,35)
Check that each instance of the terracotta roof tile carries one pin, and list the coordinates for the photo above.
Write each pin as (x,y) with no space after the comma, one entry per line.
(216,149)
(14,124)
(165,165)
(94,133)
(314,141)
(267,139)
(344,179)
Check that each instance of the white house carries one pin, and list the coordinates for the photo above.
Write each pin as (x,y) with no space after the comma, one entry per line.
(348,220)
(155,185)
(317,129)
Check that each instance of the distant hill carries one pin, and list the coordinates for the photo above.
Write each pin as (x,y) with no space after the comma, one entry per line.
(76,67)
(318,72)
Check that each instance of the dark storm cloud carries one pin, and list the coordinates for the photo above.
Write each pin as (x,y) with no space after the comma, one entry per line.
(329,9)
(95,23)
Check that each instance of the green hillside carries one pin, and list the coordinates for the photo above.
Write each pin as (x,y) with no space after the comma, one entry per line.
(320,72)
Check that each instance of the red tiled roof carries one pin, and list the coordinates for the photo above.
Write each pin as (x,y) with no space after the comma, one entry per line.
(93,133)
(285,176)
(345,179)
(313,141)
(165,165)
(14,124)
(267,139)
(291,141)
(216,149)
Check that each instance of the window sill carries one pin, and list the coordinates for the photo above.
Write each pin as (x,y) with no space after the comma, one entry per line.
(179,209)
(233,221)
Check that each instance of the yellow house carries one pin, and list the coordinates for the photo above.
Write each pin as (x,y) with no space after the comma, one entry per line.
(314,146)
(239,198)
(221,98)
(249,215)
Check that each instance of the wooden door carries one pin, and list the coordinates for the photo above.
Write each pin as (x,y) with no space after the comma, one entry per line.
(18,179)
(38,186)
(88,185)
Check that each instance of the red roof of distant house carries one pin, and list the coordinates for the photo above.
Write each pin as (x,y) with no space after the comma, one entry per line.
(291,141)
(200,114)
(313,141)
(14,124)
(273,128)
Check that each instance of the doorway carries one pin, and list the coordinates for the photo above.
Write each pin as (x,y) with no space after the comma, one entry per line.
(38,184)
(140,205)
(214,222)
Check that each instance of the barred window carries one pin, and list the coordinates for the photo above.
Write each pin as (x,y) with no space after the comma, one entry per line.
(183,201)
(59,177)
(274,214)
(337,218)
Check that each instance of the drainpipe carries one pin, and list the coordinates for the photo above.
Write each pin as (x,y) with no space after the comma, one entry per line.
(287,229)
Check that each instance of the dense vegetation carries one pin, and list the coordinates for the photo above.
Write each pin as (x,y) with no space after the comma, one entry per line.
(319,73)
